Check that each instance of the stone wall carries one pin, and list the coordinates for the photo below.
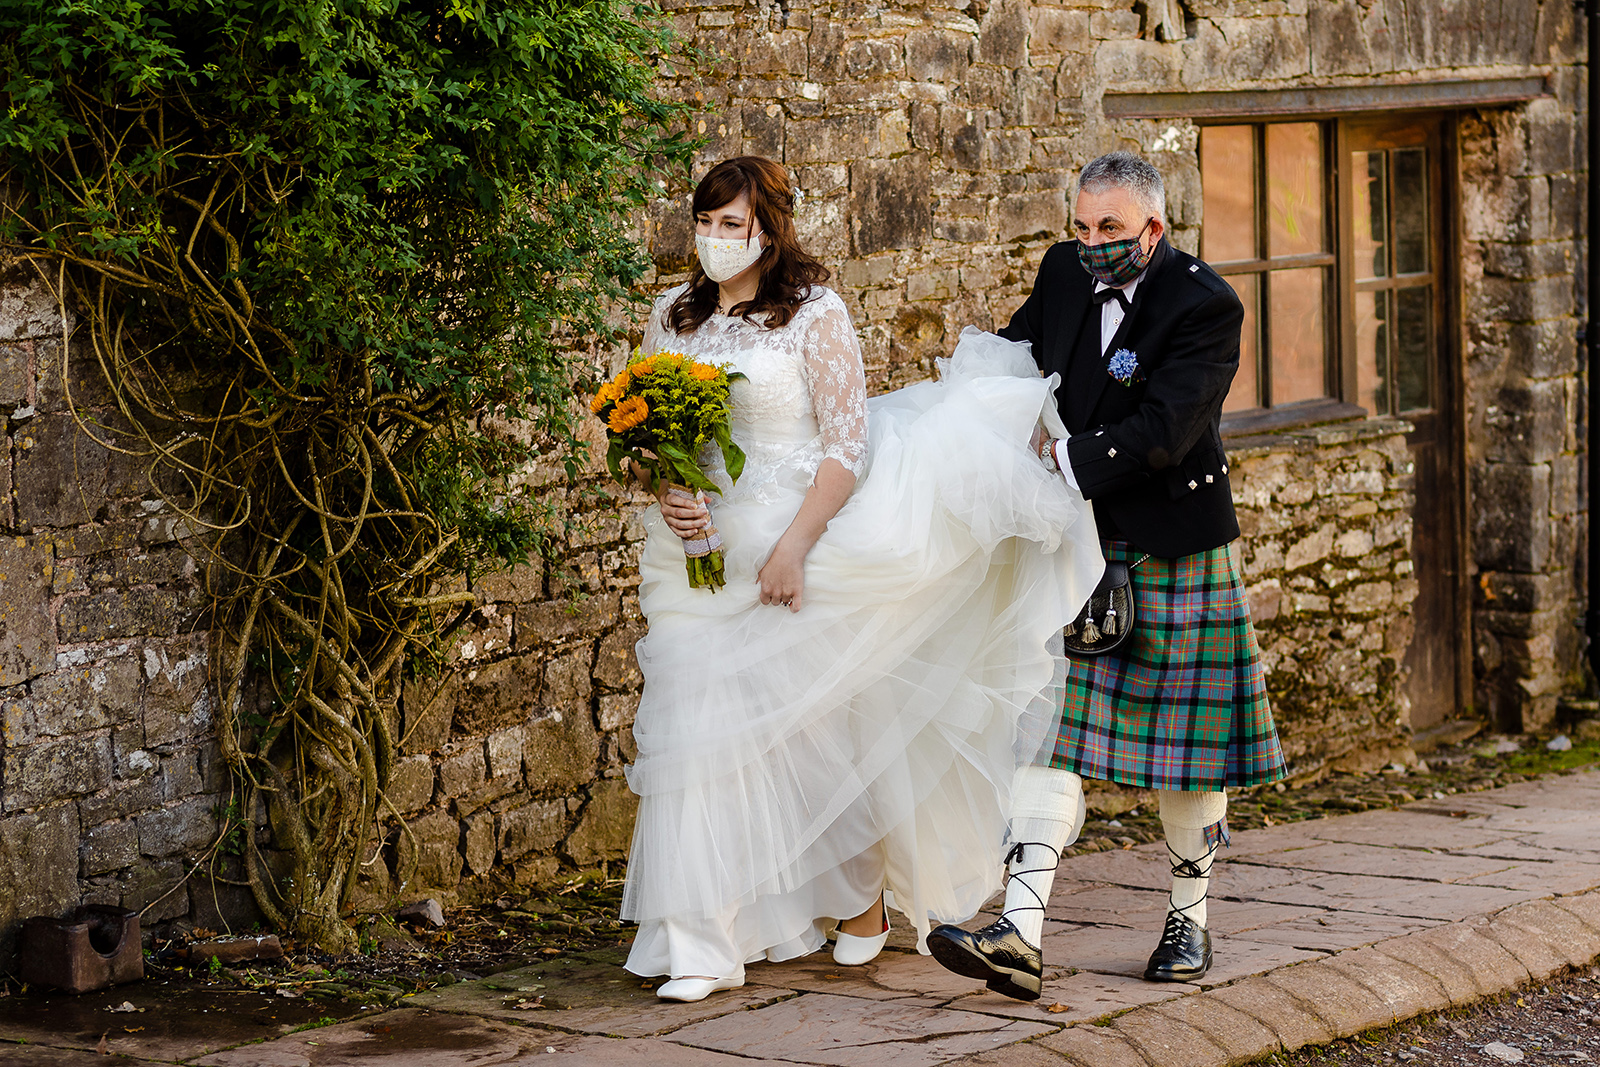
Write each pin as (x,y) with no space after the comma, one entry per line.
(111,779)
(1523,192)
(1325,518)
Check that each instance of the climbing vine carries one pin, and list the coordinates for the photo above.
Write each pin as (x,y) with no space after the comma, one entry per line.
(331,258)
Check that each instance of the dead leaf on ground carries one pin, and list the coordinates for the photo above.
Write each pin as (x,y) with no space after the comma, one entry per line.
(1057,1009)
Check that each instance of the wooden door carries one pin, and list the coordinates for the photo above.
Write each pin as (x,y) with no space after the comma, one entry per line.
(1400,359)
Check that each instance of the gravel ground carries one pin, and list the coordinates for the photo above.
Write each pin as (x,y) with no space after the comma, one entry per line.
(1554,1023)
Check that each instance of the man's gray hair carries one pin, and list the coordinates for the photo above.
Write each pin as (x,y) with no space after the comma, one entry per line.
(1124,170)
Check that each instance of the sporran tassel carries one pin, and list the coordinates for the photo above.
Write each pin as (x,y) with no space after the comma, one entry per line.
(1091,634)
(1071,629)
(1110,625)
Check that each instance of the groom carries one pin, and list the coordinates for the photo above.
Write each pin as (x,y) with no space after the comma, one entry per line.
(1146,340)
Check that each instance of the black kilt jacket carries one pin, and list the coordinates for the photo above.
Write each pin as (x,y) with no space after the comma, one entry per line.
(1148,454)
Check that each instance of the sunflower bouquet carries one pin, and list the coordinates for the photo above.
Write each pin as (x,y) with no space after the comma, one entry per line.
(660,412)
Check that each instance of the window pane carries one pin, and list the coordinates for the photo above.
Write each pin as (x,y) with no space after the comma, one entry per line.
(1227,182)
(1294,180)
(1295,314)
(1372,352)
(1246,390)
(1410,210)
(1412,350)
(1370,214)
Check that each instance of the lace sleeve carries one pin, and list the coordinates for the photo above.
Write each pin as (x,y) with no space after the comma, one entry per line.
(656,332)
(838,384)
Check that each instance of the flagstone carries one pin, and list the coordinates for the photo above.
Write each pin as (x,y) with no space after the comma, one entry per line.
(1227,916)
(1071,998)
(406,1038)
(1396,896)
(1113,905)
(1330,931)
(824,1029)
(1406,829)
(1559,876)
(1388,862)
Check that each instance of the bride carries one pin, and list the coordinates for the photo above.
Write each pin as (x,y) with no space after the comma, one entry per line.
(845,716)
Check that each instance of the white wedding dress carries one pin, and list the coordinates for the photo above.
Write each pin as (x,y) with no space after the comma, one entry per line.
(793,764)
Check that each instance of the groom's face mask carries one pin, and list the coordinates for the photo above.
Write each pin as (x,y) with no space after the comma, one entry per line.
(1116,263)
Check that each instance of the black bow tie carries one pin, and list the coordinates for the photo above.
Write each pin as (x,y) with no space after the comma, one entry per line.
(1102,295)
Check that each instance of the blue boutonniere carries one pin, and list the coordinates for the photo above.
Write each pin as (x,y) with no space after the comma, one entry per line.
(1125,367)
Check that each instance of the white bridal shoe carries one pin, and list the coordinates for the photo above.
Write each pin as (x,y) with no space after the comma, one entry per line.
(690,990)
(852,951)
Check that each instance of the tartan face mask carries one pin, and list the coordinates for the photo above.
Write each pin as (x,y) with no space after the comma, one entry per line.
(1116,263)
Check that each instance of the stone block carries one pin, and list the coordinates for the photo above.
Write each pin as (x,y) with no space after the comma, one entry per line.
(503,750)
(156,890)
(75,698)
(1032,214)
(1058,30)
(497,695)
(615,665)
(428,709)
(179,829)
(606,824)
(1295,1026)
(478,843)
(1527,423)
(53,770)
(890,203)
(38,867)
(462,770)
(1003,34)
(109,848)
(567,684)
(1095,1046)
(561,620)
(16,375)
(763,131)
(28,311)
(1544,937)
(617,711)
(411,783)
(433,848)
(122,799)
(562,752)
(1510,525)
(27,634)
(79,384)
(59,472)
(178,703)
(1341,1004)
(1241,1036)
(834,139)
(1406,990)
(122,613)
(536,827)
(938,55)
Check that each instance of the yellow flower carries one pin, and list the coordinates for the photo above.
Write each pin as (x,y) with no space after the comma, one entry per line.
(643,368)
(606,394)
(628,414)
(703,372)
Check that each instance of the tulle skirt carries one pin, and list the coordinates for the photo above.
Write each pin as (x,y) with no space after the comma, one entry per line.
(792,765)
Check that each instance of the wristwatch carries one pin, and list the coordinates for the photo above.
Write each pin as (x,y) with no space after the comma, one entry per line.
(1047,453)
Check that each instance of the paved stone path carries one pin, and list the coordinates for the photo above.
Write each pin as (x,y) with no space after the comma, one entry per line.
(1323,929)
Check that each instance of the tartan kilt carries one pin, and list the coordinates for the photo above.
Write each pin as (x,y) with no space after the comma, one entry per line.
(1182,705)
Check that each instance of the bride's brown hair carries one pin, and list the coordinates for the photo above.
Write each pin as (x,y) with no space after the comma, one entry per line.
(787,271)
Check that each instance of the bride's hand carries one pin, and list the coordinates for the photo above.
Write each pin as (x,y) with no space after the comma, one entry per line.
(1037,441)
(783,579)
(686,516)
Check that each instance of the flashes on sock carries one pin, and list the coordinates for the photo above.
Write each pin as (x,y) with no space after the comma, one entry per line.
(1185,816)
(1047,812)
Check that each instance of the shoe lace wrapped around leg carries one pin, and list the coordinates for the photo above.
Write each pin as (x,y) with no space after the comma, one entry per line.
(1018,852)
(1186,868)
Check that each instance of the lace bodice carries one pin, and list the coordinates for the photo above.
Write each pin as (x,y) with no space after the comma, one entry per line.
(804,398)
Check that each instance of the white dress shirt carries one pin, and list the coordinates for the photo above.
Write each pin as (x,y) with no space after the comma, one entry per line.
(1111,315)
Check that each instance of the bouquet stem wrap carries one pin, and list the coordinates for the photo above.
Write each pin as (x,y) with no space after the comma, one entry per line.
(703,555)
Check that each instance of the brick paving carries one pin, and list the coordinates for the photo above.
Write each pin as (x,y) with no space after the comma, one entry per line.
(1323,929)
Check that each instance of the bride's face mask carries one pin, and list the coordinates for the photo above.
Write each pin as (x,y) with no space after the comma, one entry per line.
(724,259)
(728,240)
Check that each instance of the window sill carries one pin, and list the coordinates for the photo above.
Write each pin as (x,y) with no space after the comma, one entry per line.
(1289,417)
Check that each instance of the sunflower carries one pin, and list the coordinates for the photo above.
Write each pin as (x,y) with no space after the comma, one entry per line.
(606,394)
(702,372)
(643,368)
(628,414)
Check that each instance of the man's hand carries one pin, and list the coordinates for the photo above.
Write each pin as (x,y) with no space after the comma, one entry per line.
(686,515)
(783,579)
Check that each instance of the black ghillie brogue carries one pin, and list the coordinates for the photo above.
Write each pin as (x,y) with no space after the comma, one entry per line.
(996,955)
(1184,953)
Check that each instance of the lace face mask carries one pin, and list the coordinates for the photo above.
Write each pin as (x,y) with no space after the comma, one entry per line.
(722,260)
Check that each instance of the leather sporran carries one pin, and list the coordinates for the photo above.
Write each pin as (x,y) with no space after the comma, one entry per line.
(1107,620)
